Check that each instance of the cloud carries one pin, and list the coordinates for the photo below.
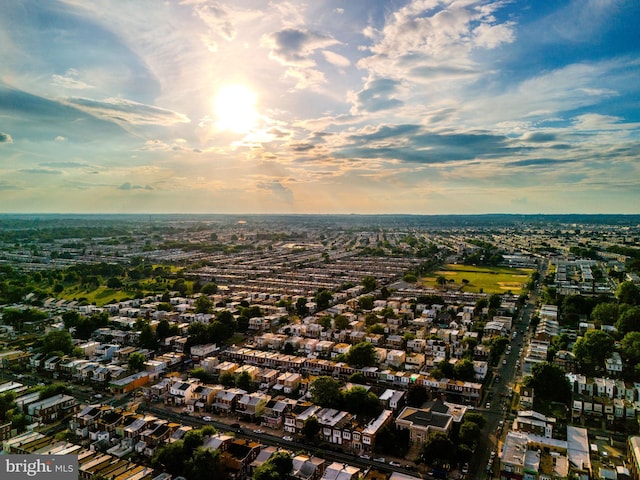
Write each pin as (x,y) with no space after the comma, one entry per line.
(9,186)
(277,189)
(218,18)
(5,138)
(60,138)
(40,171)
(294,47)
(378,94)
(128,186)
(429,39)
(336,59)
(122,111)
(69,80)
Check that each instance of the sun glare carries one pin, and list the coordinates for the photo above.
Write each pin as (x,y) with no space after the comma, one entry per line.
(235,109)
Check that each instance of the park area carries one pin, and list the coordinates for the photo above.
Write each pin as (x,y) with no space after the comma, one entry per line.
(469,278)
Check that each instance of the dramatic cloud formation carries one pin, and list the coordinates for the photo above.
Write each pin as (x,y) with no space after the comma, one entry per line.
(411,106)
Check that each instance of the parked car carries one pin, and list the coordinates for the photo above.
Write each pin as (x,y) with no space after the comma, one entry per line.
(287,438)
(207,418)
(380,459)
(258,430)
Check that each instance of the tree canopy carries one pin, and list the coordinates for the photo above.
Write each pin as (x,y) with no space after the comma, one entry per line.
(325,392)
(592,349)
(362,354)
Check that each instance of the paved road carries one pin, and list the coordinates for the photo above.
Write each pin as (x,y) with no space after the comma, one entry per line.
(264,438)
(500,397)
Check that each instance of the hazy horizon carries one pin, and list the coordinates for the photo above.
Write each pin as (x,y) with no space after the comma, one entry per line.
(401,107)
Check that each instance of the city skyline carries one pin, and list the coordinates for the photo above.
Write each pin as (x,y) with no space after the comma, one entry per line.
(417,107)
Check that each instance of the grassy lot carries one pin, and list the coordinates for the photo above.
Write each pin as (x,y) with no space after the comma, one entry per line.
(485,279)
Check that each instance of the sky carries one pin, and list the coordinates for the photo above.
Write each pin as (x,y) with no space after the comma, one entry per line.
(322,106)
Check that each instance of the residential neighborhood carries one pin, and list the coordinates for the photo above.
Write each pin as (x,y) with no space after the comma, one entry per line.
(354,352)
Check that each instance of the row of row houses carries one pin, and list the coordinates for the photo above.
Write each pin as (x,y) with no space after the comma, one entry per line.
(467,392)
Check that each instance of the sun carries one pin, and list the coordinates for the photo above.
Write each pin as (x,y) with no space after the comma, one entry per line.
(235,108)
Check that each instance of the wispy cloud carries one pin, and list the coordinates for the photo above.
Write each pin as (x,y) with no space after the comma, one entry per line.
(122,111)
(5,138)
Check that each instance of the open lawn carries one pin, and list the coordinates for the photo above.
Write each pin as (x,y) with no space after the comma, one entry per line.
(485,279)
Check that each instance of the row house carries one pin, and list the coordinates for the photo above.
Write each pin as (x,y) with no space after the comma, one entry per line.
(275,411)
(180,393)
(603,387)
(267,378)
(226,400)
(154,436)
(374,427)
(237,458)
(533,422)
(294,420)
(331,424)
(308,468)
(288,382)
(393,399)
(52,408)
(251,405)
(203,397)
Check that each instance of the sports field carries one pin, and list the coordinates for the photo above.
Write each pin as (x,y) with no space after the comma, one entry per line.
(485,279)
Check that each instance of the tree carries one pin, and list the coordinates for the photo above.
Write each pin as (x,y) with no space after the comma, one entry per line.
(170,458)
(209,288)
(201,374)
(203,304)
(341,322)
(469,432)
(358,400)
(550,383)
(114,282)
(163,328)
(323,299)
(494,301)
(362,354)
(605,314)
(204,465)
(629,321)
(630,347)
(301,307)
(325,392)
(628,292)
(58,341)
(416,395)
(463,370)
(441,280)
(281,463)
(476,418)
(369,283)
(136,361)
(227,379)
(311,428)
(244,381)
(592,350)
(366,302)
(358,377)
(54,389)
(438,449)
(147,338)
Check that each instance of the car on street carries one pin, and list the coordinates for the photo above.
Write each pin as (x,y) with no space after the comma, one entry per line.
(207,418)
(258,430)
(380,459)
(487,405)
(287,438)
(395,464)
(365,456)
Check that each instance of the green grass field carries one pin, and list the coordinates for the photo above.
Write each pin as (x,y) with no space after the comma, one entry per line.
(485,279)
